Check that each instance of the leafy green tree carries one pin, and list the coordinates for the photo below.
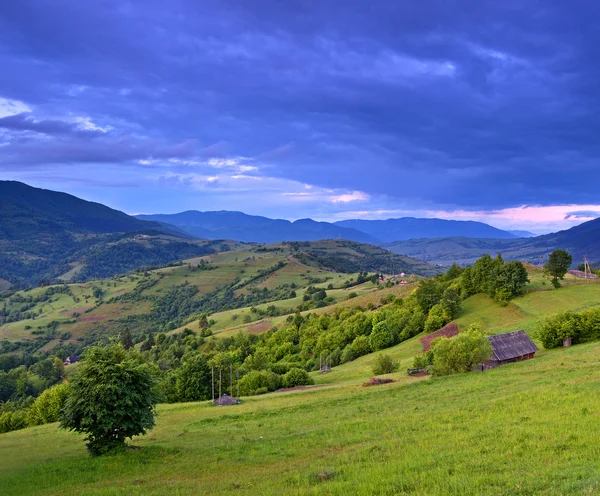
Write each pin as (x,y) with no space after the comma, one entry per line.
(510,280)
(438,317)
(557,265)
(460,353)
(451,302)
(48,405)
(112,398)
(148,343)
(453,272)
(203,322)
(193,379)
(361,346)
(381,337)
(428,294)
(126,339)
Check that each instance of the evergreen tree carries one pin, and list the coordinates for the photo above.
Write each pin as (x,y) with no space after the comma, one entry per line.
(126,339)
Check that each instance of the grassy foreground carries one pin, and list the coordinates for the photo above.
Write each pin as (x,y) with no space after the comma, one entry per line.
(527,428)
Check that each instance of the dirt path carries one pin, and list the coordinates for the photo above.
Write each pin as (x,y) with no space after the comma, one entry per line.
(10,335)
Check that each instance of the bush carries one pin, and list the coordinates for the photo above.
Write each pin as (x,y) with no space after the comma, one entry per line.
(12,421)
(297,377)
(581,328)
(258,382)
(423,360)
(112,398)
(48,405)
(384,364)
(460,353)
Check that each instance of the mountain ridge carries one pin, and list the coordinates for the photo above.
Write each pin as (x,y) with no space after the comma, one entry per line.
(235,225)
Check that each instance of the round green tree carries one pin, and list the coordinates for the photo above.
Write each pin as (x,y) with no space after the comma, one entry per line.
(557,265)
(112,398)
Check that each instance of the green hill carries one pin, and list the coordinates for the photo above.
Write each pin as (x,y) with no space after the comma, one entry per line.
(47,235)
(225,284)
(522,429)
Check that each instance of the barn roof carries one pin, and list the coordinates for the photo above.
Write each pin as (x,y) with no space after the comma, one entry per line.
(511,345)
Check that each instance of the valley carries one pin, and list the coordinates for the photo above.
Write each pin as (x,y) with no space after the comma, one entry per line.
(413,436)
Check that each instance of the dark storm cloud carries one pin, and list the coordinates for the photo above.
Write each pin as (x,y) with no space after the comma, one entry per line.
(582,214)
(24,122)
(473,104)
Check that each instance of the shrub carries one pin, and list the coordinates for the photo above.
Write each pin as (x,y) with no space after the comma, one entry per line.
(581,328)
(423,360)
(384,364)
(297,377)
(259,381)
(48,405)
(112,398)
(12,421)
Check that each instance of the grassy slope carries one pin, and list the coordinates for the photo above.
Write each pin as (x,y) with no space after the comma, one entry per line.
(243,263)
(528,428)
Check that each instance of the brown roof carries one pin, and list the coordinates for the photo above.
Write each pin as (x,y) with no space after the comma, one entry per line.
(511,345)
(447,331)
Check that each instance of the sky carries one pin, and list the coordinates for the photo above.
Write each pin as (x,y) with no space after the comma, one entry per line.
(326,109)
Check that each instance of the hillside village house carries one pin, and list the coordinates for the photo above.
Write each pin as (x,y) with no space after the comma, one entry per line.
(510,347)
(71,359)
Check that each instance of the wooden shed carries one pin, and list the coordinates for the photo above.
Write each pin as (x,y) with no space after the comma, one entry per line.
(510,347)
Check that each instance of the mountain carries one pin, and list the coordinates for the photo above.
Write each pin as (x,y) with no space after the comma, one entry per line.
(411,227)
(46,235)
(523,234)
(582,240)
(28,211)
(252,228)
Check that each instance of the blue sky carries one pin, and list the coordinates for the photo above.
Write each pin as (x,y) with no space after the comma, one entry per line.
(324,109)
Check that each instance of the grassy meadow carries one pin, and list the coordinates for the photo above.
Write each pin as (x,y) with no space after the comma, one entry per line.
(526,428)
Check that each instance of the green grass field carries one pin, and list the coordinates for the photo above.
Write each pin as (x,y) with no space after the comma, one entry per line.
(522,429)
(526,428)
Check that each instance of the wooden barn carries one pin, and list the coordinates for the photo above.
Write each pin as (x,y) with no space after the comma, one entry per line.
(510,347)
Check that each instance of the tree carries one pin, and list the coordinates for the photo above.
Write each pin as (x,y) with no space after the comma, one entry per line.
(203,322)
(460,353)
(126,339)
(193,379)
(557,265)
(112,397)
(511,278)
(428,294)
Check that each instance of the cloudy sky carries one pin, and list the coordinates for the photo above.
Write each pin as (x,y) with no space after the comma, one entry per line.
(315,108)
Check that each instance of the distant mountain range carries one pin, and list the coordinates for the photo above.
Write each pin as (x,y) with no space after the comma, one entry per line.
(582,240)
(251,228)
(411,227)
(46,235)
